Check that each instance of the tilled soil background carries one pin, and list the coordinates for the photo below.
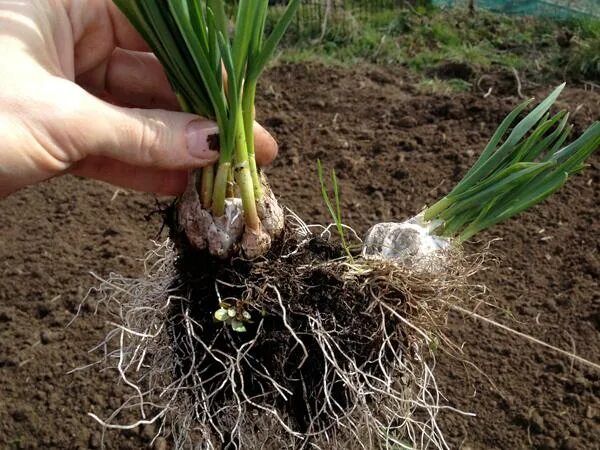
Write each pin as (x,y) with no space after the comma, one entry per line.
(395,149)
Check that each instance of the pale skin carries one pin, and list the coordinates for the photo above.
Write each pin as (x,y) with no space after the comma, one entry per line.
(80,93)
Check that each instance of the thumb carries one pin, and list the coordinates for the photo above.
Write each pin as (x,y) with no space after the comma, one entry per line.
(148,137)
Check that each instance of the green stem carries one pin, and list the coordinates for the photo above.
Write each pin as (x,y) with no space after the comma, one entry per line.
(206,187)
(220,188)
(221,181)
(437,208)
(230,184)
(469,232)
(248,116)
(454,224)
(243,175)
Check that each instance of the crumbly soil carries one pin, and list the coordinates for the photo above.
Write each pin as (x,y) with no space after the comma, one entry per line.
(395,148)
(300,281)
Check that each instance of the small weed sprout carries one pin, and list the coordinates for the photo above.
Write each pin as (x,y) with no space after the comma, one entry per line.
(233,315)
(336,212)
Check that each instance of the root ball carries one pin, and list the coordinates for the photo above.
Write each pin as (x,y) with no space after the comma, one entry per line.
(336,353)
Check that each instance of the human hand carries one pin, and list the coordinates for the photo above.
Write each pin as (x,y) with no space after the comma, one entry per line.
(81,94)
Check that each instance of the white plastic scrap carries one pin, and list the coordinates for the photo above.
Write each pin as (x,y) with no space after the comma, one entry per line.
(409,242)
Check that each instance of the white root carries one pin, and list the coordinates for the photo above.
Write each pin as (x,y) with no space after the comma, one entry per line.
(380,410)
(396,406)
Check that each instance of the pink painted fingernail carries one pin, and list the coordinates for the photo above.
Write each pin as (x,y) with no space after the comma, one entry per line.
(202,139)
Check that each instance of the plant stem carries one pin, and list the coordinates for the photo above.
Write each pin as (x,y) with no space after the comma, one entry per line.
(243,175)
(206,187)
(437,208)
(248,115)
(230,184)
(468,233)
(220,188)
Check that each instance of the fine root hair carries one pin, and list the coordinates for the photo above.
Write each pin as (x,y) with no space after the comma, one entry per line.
(339,353)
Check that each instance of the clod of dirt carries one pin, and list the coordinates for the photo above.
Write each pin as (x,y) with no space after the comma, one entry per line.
(6,316)
(565,38)
(148,432)
(21,414)
(453,70)
(160,444)
(537,422)
(48,337)
(94,441)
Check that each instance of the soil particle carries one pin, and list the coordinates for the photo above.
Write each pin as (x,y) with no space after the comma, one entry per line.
(537,422)
(48,337)
(214,142)
(8,361)
(20,415)
(160,444)
(454,70)
(94,441)
(42,310)
(570,444)
(547,443)
(148,432)
(6,316)
(406,122)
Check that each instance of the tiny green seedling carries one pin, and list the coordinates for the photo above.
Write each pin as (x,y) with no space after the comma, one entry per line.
(233,315)
(336,212)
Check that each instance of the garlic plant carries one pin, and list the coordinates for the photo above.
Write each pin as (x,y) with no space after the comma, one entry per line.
(214,73)
(529,165)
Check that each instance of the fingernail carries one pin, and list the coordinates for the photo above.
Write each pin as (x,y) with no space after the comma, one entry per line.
(200,135)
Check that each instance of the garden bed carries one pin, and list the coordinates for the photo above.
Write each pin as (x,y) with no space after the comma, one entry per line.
(395,147)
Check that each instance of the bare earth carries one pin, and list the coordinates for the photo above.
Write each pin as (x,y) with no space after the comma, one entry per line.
(395,149)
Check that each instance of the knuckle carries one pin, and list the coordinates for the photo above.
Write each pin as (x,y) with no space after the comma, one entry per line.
(153,139)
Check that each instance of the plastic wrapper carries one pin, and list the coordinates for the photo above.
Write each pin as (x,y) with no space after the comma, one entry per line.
(410,242)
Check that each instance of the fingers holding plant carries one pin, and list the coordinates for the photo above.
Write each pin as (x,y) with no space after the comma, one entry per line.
(214,73)
(50,125)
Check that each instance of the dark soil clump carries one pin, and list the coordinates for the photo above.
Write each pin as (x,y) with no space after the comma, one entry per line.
(297,283)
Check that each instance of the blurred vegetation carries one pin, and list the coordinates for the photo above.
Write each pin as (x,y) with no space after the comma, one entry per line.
(427,40)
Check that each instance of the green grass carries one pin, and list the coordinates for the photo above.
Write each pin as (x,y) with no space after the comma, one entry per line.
(334,209)
(422,39)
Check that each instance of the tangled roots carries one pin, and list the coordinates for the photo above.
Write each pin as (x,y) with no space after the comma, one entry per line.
(338,354)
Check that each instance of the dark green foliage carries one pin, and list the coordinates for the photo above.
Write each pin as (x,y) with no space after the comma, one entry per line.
(509,177)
